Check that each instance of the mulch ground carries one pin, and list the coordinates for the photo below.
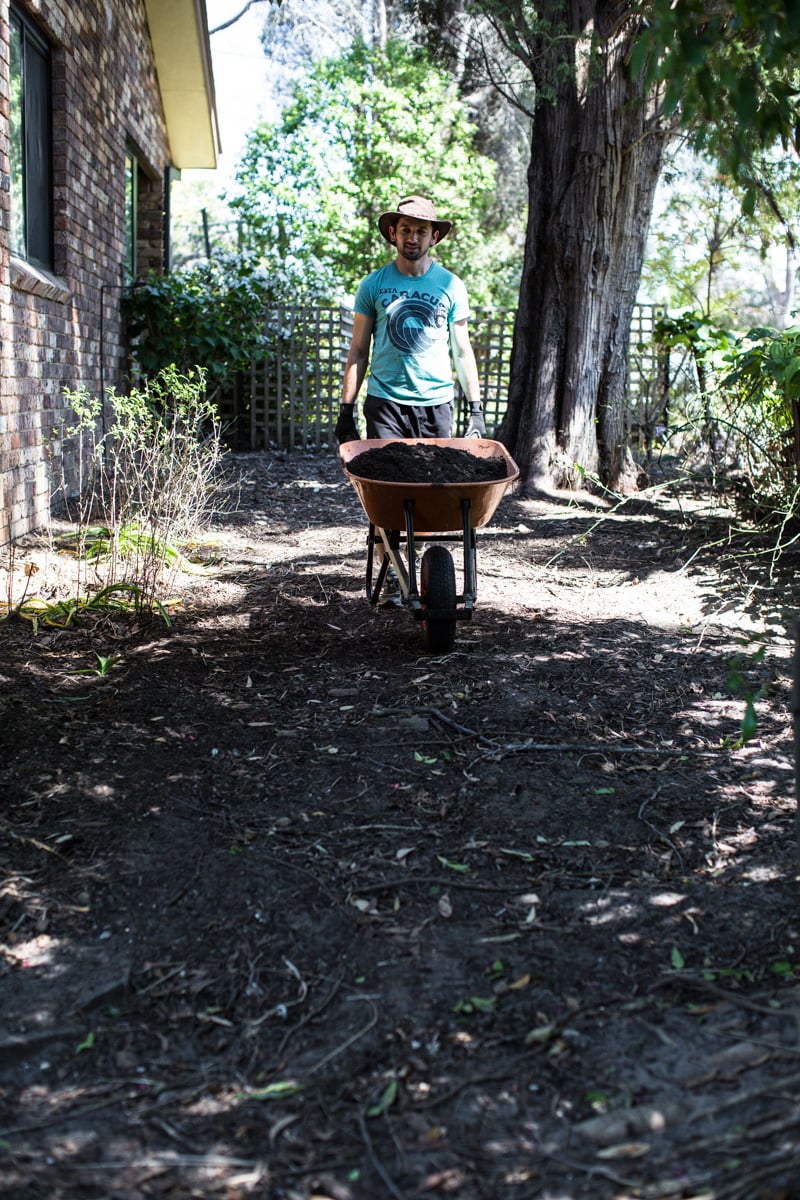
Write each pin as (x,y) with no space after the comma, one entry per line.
(291,909)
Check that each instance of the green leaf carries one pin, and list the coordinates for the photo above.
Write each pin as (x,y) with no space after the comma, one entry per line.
(452,866)
(86,1044)
(483,1004)
(677,959)
(386,1101)
(639,58)
(784,969)
(749,720)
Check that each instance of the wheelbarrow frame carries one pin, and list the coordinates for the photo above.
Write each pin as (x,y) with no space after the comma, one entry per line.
(407,571)
(406,514)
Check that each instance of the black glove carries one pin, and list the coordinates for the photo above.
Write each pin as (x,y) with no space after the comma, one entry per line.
(346,430)
(476,426)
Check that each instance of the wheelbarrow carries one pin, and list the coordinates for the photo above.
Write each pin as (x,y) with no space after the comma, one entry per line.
(403,515)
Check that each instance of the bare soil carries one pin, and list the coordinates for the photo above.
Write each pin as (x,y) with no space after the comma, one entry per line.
(292,910)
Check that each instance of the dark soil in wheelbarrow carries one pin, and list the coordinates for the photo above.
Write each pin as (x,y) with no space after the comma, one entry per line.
(291,909)
(401,462)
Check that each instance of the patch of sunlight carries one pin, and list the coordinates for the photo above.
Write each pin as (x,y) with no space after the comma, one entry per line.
(667,899)
(38,952)
(607,910)
(316,485)
(763,874)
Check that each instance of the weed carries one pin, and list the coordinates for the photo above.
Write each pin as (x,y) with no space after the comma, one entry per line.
(104,665)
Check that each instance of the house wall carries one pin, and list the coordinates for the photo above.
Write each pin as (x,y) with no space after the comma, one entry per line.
(63,330)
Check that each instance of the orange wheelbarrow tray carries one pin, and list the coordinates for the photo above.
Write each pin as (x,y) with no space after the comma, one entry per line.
(401,513)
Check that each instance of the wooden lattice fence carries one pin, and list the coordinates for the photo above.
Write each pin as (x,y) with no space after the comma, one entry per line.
(648,376)
(290,398)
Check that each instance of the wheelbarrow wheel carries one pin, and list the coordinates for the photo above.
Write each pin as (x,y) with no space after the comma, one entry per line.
(437,589)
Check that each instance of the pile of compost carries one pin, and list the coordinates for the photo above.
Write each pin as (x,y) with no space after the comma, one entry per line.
(426,462)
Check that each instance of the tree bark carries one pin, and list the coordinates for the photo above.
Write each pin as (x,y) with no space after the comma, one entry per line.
(596,152)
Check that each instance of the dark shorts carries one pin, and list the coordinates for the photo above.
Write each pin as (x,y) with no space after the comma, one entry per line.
(389,419)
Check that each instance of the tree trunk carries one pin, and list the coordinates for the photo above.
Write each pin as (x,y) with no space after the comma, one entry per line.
(596,154)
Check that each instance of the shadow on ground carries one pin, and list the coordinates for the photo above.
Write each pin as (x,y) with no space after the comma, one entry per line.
(292,909)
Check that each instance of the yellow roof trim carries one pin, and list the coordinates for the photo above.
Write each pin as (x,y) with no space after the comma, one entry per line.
(179,33)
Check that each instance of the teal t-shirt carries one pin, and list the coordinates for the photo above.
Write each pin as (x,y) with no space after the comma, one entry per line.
(412,316)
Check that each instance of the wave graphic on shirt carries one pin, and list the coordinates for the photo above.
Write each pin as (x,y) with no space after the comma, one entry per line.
(410,323)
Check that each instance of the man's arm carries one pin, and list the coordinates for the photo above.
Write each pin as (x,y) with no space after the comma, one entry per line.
(358,357)
(465,364)
(467,372)
(355,368)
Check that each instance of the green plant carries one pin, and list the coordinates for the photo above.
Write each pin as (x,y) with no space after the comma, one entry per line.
(211,313)
(764,375)
(104,665)
(475,1004)
(738,686)
(146,473)
(749,393)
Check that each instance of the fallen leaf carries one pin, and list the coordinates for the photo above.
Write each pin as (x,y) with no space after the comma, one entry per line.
(612,1128)
(542,1034)
(276,1091)
(625,1150)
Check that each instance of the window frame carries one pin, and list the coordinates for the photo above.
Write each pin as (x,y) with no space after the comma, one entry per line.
(31,144)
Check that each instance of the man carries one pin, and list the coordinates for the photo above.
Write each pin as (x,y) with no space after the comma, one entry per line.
(413,314)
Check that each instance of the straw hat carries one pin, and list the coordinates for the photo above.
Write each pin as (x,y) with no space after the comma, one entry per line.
(419,209)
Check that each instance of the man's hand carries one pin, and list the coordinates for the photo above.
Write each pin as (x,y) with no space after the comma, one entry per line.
(346,430)
(476,426)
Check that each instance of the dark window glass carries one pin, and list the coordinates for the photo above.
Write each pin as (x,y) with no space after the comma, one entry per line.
(30,152)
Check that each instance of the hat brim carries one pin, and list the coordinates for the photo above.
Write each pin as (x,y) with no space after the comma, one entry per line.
(386,220)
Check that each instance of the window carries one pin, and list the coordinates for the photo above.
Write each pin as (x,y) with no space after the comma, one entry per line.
(131,216)
(30,149)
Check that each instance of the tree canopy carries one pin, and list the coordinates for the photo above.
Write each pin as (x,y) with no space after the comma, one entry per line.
(361,131)
(729,70)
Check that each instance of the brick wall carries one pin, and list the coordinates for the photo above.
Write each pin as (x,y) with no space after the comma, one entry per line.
(63,330)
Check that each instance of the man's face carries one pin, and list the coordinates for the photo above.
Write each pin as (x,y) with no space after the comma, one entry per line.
(412,238)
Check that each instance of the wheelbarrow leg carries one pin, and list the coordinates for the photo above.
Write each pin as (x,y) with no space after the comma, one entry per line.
(411,546)
(470,555)
(374,590)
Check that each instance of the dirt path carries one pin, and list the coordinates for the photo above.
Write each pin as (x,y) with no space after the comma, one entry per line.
(293,910)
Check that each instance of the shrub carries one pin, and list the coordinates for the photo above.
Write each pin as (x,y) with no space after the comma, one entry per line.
(749,390)
(144,485)
(211,313)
